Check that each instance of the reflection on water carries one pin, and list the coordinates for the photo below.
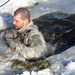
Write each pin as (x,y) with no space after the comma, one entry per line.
(58,29)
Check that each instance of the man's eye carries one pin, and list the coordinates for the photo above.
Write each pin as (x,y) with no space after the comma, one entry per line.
(16,21)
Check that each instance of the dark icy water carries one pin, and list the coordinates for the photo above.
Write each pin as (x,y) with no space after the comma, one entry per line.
(58,29)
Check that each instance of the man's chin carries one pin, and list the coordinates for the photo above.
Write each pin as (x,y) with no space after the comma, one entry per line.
(16,28)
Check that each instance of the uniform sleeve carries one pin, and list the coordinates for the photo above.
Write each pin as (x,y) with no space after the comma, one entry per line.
(34,50)
(10,38)
(36,40)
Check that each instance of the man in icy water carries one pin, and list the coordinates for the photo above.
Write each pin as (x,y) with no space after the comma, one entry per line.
(26,38)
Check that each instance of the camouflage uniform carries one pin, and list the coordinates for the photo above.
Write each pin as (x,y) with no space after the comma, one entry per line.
(33,45)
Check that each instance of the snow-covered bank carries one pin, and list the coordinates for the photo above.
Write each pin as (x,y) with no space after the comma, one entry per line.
(67,6)
(67,55)
(12,5)
(67,58)
(8,7)
(44,7)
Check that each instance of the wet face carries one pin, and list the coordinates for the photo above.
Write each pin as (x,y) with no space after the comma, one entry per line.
(18,21)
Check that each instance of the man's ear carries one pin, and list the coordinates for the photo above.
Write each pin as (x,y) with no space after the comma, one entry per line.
(26,21)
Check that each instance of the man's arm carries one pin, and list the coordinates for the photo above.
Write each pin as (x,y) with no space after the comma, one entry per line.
(35,50)
(9,38)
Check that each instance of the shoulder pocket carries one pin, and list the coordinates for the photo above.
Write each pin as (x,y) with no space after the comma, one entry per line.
(36,40)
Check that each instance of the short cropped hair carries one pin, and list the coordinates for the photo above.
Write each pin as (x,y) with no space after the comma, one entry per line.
(25,14)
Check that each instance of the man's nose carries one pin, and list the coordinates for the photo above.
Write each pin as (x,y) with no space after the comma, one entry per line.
(13,22)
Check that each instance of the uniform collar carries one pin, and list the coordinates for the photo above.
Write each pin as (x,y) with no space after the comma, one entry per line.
(27,27)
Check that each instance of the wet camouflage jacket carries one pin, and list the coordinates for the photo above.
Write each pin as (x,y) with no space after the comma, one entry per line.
(33,45)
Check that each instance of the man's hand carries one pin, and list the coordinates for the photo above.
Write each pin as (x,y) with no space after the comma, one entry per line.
(13,49)
(12,44)
(8,35)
